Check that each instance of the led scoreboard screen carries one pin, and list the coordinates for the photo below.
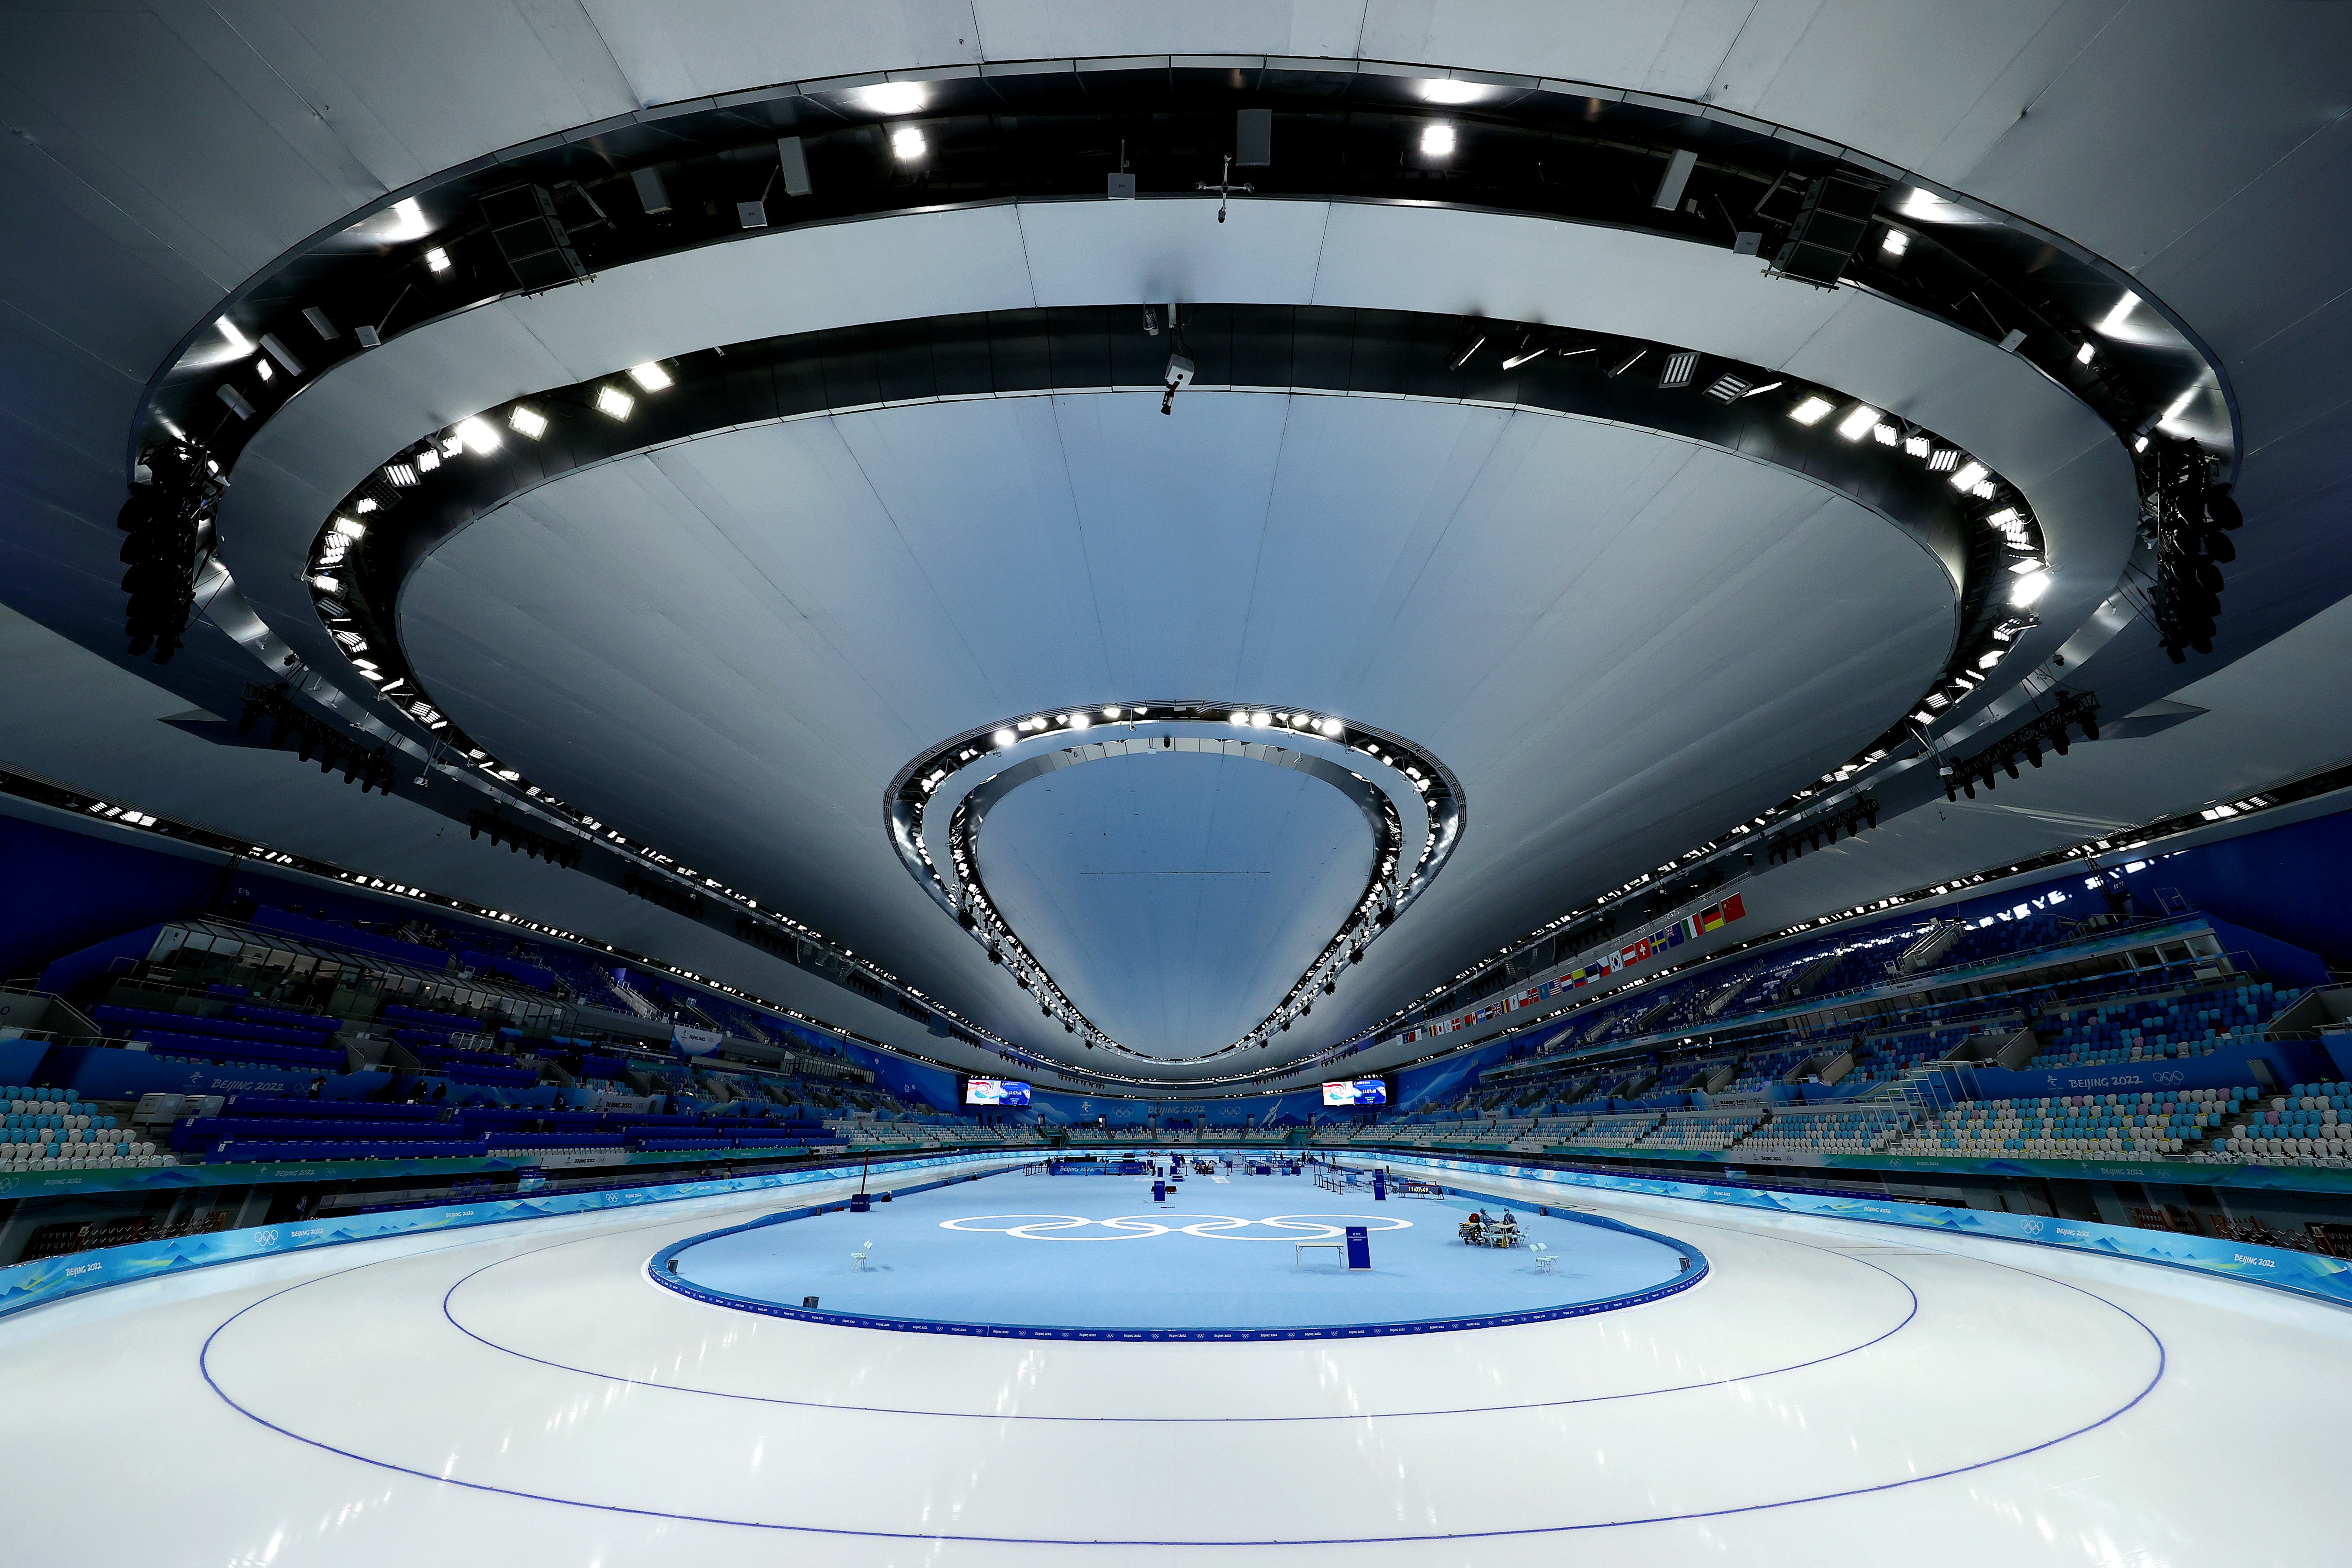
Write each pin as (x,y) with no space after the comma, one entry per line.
(996,1091)
(1357,1092)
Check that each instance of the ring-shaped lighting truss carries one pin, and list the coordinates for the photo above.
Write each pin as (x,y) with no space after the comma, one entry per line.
(1345,131)
(969,773)
(421,497)
(677,177)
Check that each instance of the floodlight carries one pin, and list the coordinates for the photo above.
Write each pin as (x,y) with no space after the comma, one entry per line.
(1884,435)
(1241,717)
(649,376)
(1917,446)
(436,260)
(1330,727)
(1112,712)
(1437,140)
(478,435)
(527,421)
(267,373)
(348,530)
(236,340)
(2029,588)
(1261,719)
(1970,474)
(1004,737)
(1812,411)
(892,97)
(906,144)
(2085,354)
(1895,242)
(1078,721)
(615,402)
(1857,422)
(1450,91)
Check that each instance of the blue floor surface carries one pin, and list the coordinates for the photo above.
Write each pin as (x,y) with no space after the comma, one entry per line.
(1095,1252)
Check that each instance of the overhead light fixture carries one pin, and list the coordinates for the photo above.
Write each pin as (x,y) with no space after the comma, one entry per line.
(1437,140)
(2086,353)
(1970,474)
(1079,721)
(1680,366)
(478,435)
(906,144)
(615,402)
(1447,90)
(1895,242)
(402,475)
(1260,719)
(2117,314)
(1462,358)
(2029,564)
(892,97)
(1917,446)
(1241,717)
(236,340)
(1004,737)
(345,527)
(1858,422)
(1514,361)
(527,421)
(1813,410)
(428,460)
(1884,435)
(265,369)
(650,376)
(1112,712)
(1330,727)
(2029,588)
(436,260)
(1760,391)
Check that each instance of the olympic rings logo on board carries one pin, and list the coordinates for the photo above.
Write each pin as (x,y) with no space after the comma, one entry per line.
(1139,1226)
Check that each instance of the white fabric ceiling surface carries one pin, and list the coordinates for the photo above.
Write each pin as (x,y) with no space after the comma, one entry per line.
(164,153)
(1176,896)
(1614,640)
(1012,257)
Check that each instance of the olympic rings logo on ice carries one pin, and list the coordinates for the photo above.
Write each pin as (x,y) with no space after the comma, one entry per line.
(1139,1227)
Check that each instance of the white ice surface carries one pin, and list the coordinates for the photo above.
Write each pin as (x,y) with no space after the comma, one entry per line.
(556,1407)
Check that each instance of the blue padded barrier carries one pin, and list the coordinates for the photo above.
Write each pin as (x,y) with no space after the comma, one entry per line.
(139,1019)
(213,1048)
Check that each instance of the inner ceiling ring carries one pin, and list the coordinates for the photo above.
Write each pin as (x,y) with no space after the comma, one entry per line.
(356,574)
(931,778)
(1937,517)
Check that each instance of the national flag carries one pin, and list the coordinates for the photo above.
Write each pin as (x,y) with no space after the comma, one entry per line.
(1733,908)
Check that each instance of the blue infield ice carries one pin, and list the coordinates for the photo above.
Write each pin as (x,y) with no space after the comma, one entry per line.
(1093,1256)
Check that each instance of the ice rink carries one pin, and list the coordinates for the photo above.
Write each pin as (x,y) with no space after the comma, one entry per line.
(1831,1392)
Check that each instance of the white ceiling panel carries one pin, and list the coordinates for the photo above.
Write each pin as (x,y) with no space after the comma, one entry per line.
(1613,639)
(1181,894)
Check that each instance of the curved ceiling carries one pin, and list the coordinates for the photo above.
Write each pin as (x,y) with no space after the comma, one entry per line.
(163,161)
(1179,892)
(1617,641)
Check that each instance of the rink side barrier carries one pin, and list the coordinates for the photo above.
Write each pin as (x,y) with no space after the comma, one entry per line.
(24,1285)
(662,1269)
(2304,1273)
